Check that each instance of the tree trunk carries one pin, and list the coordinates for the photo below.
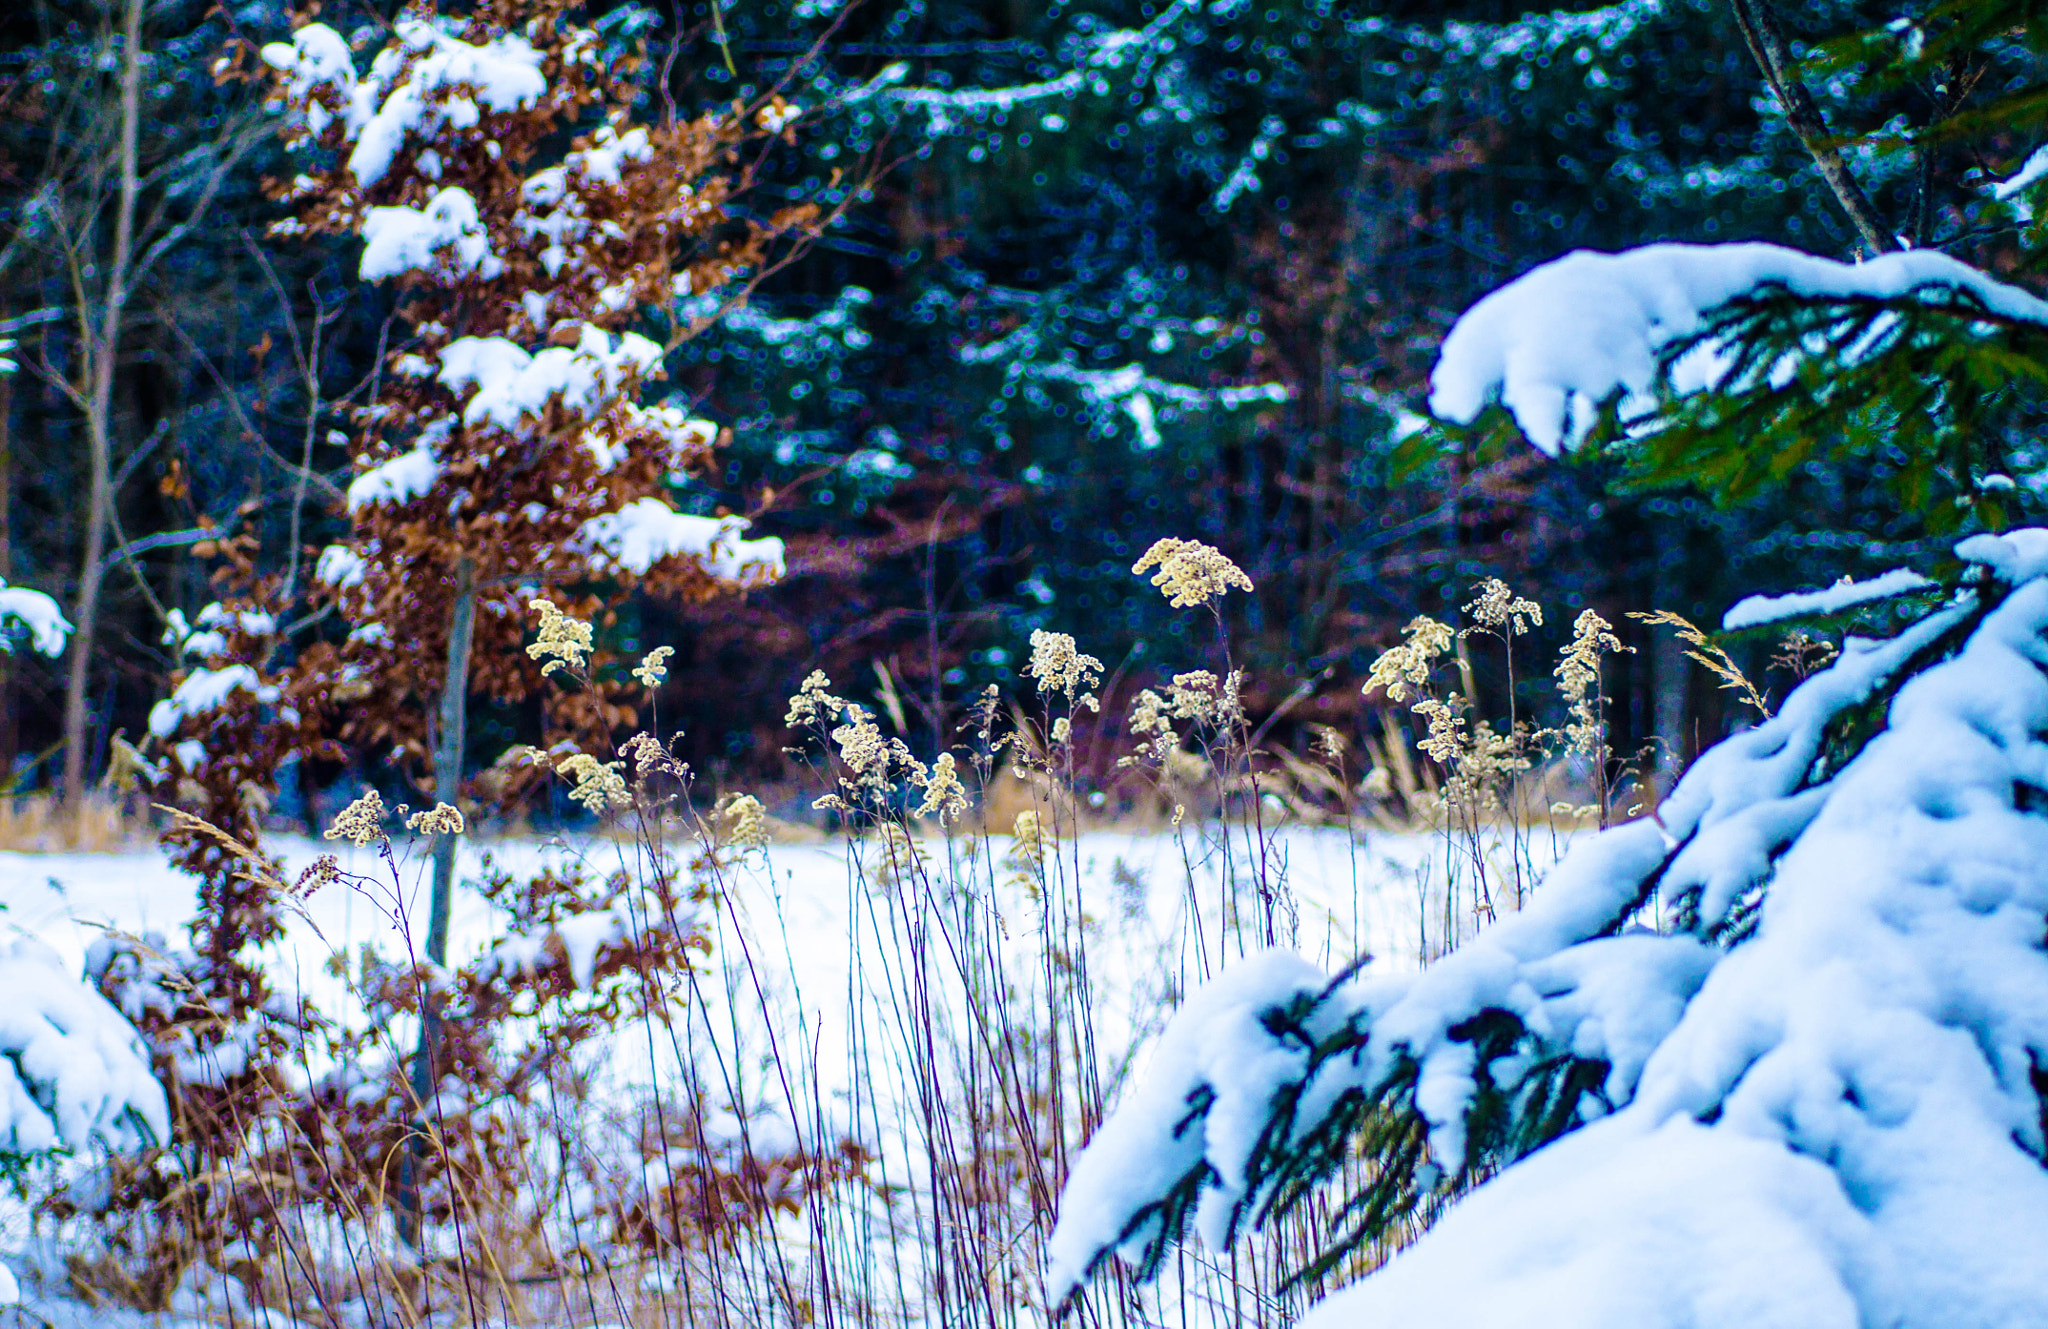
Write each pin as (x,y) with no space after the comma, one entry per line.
(449,745)
(452,741)
(100,352)
(10,736)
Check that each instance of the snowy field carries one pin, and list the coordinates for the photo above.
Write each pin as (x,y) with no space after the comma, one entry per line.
(810,951)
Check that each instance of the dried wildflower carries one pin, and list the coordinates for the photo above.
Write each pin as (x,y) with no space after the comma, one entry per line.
(600,786)
(361,822)
(1029,844)
(744,821)
(652,671)
(1446,736)
(1152,721)
(982,715)
(813,702)
(862,748)
(441,819)
(1329,744)
(650,758)
(943,792)
(1578,680)
(1201,697)
(1502,610)
(1062,730)
(1190,572)
(325,871)
(564,641)
(1060,667)
(1407,665)
(1802,654)
(1715,660)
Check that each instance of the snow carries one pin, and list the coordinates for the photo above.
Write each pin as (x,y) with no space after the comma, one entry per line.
(510,382)
(1216,1033)
(1819,1104)
(73,1072)
(340,566)
(2013,189)
(2014,556)
(402,239)
(800,944)
(647,531)
(202,691)
(399,480)
(429,81)
(1556,343)
(48,629)
(1757,610)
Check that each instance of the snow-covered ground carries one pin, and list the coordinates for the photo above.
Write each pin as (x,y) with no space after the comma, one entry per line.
(812,946)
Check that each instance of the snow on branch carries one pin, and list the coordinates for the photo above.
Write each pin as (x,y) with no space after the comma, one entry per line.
(72,1071)
(428,81)
(1757,610)
(204,691)
(447,233)
(510,382)
(647,531)
(48,629)
(1556,344)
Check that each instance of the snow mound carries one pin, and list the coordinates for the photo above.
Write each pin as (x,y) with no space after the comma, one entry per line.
(1818,1099)
(73,1072)
(1554,344)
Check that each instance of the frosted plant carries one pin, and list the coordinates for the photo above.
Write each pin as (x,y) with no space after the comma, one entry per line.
(564,642)
(652,669)
(600,786)
(1201,697)
(943,792)
(1770,1057)
(1445,737)
(744,822)
(1190,573)
(1407,667)
(361,822)
(441,819)
(1059,666)
(1578,681)
(813,702)
(862,749)
(1152,722)
(1501,610)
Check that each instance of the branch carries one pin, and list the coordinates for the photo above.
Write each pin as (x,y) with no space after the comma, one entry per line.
(1773,57)
(327,487)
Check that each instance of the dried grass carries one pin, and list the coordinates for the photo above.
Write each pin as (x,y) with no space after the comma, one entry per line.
(101,824)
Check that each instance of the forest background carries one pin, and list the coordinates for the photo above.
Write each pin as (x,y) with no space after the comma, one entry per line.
(1098,274)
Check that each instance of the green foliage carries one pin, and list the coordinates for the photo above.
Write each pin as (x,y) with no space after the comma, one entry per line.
(1941,397)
